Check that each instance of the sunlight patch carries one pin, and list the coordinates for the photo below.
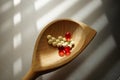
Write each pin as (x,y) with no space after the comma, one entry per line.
(17,66)
(17,18)
(40,3)
(17,40)
(16,2)
(55,12)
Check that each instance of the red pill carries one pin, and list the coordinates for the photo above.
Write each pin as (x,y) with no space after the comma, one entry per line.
(61,53)
(68,36)
(67,53)
(67,50)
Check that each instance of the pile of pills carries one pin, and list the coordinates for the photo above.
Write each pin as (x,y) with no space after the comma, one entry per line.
(64,44)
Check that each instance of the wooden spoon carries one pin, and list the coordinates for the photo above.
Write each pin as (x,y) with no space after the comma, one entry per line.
(46,58)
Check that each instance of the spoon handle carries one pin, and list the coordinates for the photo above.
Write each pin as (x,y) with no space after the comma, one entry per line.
(31,75)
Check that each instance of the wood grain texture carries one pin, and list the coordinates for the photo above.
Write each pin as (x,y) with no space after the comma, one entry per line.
(46,57)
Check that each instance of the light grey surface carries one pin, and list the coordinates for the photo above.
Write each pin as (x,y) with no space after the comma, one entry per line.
(21,23)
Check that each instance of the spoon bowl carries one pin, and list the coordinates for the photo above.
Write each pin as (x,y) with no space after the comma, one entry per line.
(46,58)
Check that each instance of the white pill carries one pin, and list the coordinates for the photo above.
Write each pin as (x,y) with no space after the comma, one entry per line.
(54,44)
(53,38)
(57,40)
(64,39)
(65,44)
(60,37)
(49,36)
(72,42)
(70,45)
(59,44)
(50,41)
